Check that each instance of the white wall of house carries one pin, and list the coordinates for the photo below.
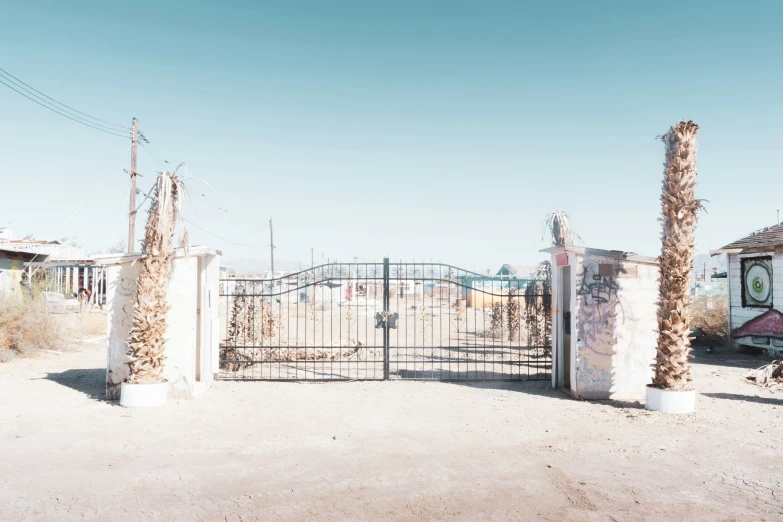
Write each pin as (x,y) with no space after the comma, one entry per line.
(738,314)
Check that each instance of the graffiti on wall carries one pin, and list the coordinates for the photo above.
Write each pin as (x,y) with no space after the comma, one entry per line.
(601,309)
(600,288)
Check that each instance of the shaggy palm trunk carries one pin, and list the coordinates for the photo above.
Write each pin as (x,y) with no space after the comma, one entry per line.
(146,339)
(679,208)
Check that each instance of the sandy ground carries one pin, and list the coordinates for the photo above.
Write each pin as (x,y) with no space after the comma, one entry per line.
(382,451)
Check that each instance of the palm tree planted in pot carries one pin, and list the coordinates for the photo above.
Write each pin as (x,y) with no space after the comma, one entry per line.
(146,384)
(671,388)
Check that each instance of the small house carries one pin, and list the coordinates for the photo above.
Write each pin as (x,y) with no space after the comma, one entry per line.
(604,322)
(12,265)
(517,271)
(755,275)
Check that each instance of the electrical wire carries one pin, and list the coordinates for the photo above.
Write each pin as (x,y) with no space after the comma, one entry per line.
(224,239)
(152,155)
(65,115)
(60,103)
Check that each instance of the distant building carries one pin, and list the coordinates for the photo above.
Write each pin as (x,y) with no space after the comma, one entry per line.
(6,234)
(54,249)
(755,287)
(517,271)
(12,265)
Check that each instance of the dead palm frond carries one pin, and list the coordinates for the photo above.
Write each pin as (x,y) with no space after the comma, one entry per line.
(679,209)
(560,229)
(538,308)
(769,376)
(146,341)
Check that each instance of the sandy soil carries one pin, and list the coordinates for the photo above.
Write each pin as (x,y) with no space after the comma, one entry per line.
(382,451)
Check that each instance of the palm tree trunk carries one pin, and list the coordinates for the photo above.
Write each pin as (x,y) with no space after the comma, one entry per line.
(679,209)
(146,340)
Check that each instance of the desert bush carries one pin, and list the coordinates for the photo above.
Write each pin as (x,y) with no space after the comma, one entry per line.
(27,327)
(710,314)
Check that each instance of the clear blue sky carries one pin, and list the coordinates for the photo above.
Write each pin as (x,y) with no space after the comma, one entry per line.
(443,130)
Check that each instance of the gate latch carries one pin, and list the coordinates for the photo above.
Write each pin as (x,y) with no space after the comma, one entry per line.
(385,317)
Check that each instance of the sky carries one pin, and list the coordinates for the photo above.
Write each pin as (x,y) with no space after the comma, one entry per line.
(442,131)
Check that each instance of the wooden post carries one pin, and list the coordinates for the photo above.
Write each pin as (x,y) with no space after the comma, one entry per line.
(272,247)
(132,173)
(94,288)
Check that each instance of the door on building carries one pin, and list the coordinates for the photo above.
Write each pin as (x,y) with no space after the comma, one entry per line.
(565,325)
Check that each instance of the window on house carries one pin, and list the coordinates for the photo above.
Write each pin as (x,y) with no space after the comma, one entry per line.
(757,282)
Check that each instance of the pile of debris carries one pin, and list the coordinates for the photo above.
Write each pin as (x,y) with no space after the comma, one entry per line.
(233,359)
(769,376)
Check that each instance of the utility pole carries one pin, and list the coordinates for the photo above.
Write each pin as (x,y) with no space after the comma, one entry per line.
(312,257)
(272,247)
(133,173)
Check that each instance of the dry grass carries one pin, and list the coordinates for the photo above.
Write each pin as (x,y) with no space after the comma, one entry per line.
(710,313)
(26,328)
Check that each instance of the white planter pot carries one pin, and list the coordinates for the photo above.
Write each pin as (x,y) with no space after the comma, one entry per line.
(669,401)
(143,395)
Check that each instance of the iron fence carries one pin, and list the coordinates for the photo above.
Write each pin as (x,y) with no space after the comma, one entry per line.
(365,321)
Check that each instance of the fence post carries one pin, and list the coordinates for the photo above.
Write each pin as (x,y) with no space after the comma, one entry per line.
(386,318)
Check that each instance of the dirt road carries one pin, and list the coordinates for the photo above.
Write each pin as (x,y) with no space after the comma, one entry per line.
(400,451)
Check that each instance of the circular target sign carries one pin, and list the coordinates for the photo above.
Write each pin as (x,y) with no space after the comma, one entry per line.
(758,282)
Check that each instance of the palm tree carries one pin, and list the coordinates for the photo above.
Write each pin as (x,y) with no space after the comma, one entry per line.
(560,229)
(146,339)
(679,209)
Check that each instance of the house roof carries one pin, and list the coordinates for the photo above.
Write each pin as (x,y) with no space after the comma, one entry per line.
(16,255)
(762,240)
(517,270)
(618,254)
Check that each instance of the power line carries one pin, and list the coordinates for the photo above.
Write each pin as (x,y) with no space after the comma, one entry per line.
(60,103)
(65,115)
(148,151)
(222,238)
(47,104)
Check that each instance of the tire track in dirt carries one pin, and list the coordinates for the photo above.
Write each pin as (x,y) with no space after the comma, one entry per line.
(577,497)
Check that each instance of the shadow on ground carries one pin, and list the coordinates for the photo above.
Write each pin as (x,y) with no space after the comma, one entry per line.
(544,389)
(89,381)
(726,356)
(746,398)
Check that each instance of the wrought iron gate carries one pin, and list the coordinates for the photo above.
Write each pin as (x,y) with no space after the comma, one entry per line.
(365,321)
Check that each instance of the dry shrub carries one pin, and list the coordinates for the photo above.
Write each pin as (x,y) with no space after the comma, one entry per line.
(27,327)
(710,314)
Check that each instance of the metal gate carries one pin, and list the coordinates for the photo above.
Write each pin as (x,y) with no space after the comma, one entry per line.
(367,321)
